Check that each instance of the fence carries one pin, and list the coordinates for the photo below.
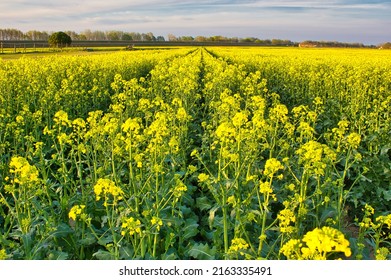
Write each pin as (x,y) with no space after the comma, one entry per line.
(22,47)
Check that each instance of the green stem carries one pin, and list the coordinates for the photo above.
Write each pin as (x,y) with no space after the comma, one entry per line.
(225,225)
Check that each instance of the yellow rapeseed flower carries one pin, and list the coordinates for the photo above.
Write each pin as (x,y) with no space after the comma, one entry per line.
(272,165)
(353,140)
(317,244)
(179,189)
(3,254)
(105,187)
(238,245)
(76,211)
(131,226)
(182,115)
(239,119)
(24,173)
(131,125)
(203,177)
(265,188)
(382,253)
(279,113)
(291,249)
(286,217)
(61,118)
(156,221)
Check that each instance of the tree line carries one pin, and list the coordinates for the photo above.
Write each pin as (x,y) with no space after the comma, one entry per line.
(115,35)
(11,34)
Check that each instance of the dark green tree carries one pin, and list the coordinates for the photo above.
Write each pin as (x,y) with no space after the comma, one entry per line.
(59,39)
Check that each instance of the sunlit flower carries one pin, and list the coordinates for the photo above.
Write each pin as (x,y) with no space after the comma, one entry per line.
(265,188)
(179,189)
(24,173)
(317,244)
(3,254)
(272,166)
(381,253)
(61,118)
(203,177)
(239,119)
(353,140)
(182,115)
(238,245)
(106,187)
(286,218)
(157,222)
(131,226)
(279,113)
(76,212)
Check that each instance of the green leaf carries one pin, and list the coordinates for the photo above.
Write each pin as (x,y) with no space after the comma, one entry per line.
(169,255)
(126,252)
(203,203)
(185,210)
(89,239)
(190,228)
(62,230)
(58,255)
(201,251)
(103,255)
(387,194)
(105,240)
(327,213)
(384,150)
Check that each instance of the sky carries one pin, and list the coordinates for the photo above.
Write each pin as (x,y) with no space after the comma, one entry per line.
(367,22)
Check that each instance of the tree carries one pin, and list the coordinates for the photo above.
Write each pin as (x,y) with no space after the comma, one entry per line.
(386,46)
(186,38)
(114,35)
(126,37)
(60,39)
(172,37)
(37,35)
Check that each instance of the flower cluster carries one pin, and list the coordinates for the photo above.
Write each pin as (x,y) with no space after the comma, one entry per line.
(272,166)
(202,177)
(3,254)
(61,118)
(366,222)
(286,217)
(353,140)
(238,245)
(265,188)
(106,187)
(382,253)
(179,189)
(157,222)
(24,173)
(317,244)
(315,156)
(76,212)
(131,226)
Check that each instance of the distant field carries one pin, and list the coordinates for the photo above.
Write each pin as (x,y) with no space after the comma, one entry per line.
(16,49)
(195,153)
(36,53)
